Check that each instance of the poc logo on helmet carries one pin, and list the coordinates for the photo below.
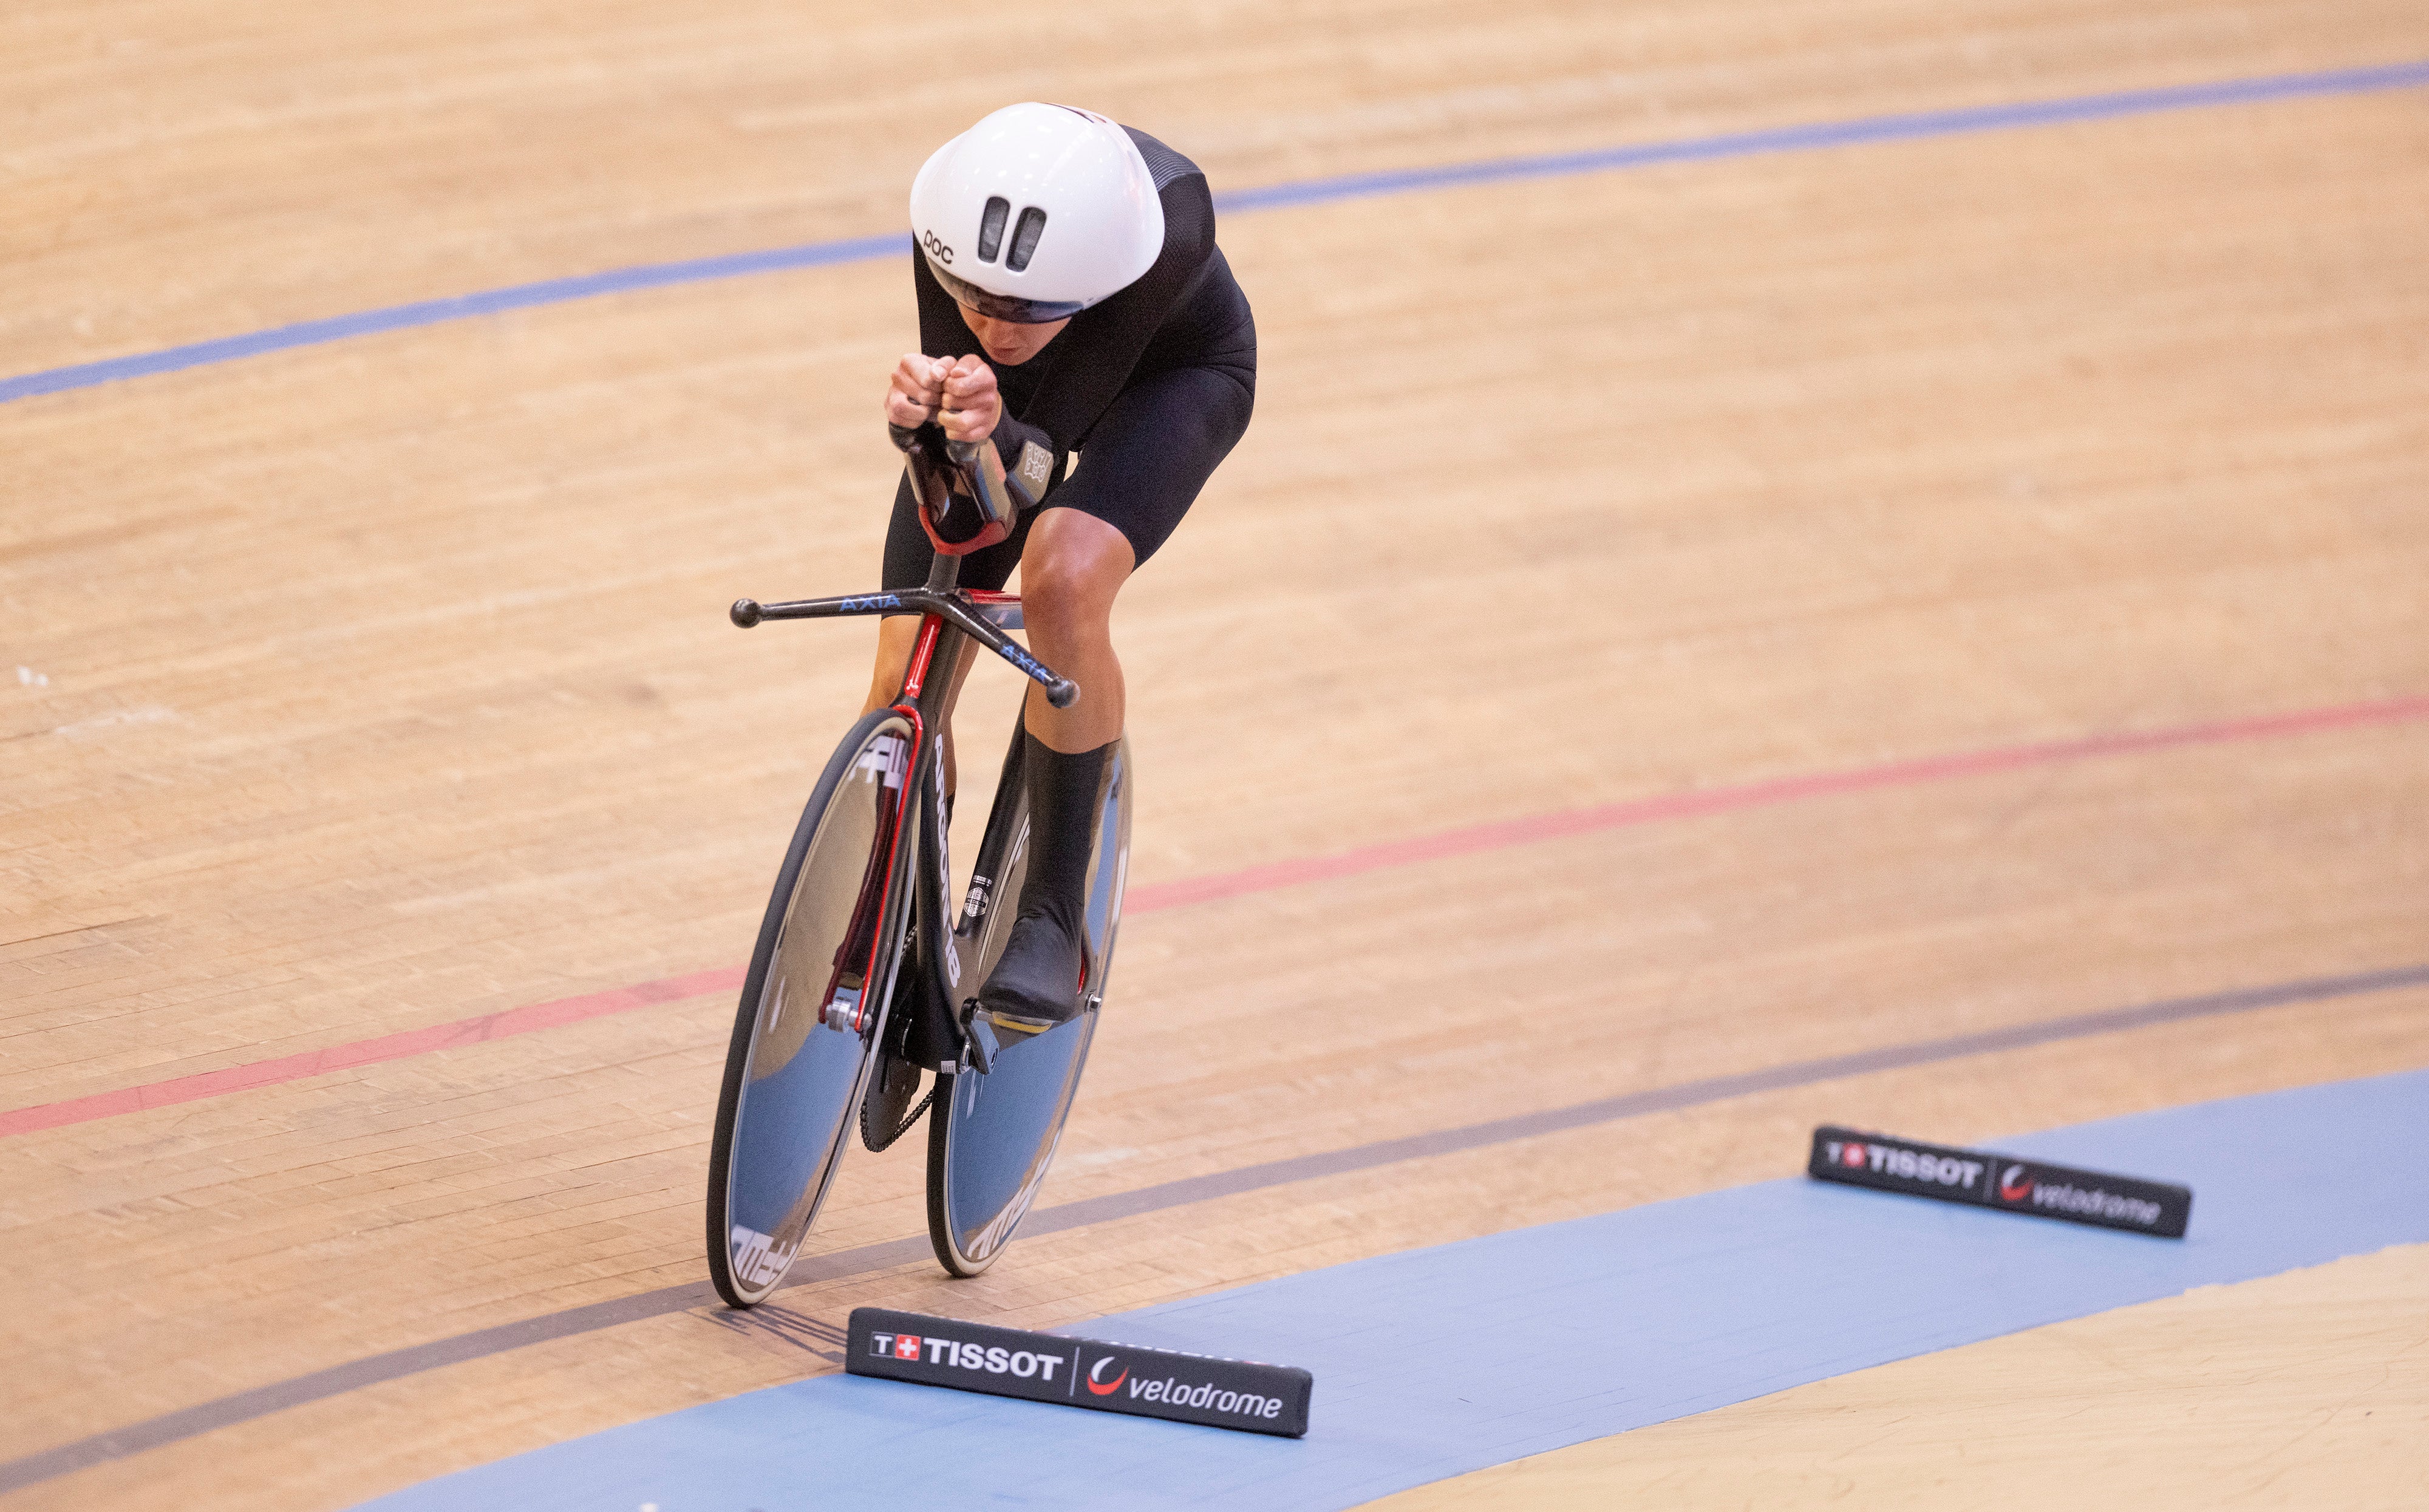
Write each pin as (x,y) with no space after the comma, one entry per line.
(936,247)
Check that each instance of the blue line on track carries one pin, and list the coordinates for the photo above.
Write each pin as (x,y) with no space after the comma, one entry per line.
(1439,1361)
(1807,137)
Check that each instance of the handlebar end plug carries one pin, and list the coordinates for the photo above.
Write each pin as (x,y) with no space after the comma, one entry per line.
(745,613)
(1063,692)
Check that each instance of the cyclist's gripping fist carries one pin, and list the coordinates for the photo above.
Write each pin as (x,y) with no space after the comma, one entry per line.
(958,393)
(972,404)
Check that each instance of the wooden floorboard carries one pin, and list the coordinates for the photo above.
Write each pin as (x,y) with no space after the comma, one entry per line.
(383,684)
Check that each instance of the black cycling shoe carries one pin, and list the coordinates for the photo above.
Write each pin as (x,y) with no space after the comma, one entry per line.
(1036,984)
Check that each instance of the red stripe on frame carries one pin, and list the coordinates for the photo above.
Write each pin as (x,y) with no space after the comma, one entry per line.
(1150,897)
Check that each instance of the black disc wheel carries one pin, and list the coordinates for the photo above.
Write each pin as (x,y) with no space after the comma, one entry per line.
(993,1133)
(807,1031)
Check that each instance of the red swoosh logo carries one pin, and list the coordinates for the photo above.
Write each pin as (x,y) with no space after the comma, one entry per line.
(2008,1193)
(1110,1387)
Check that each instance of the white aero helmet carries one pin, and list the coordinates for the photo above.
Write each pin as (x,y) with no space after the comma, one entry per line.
(1037,212)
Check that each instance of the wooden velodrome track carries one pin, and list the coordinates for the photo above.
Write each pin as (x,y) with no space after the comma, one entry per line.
(375,685)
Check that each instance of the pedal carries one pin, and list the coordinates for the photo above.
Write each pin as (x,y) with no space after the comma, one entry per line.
(979,1038)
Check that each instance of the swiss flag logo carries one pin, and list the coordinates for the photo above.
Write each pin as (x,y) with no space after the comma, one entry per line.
(906,1346)
(1852,1154)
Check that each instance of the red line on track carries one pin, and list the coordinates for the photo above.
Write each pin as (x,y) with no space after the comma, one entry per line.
(397,1047)
(1155,896)
(1701,802)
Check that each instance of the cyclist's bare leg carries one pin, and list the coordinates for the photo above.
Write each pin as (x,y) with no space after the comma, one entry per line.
(1070,570)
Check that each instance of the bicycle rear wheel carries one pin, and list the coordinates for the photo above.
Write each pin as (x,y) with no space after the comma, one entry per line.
(811,1011)
(992,1136)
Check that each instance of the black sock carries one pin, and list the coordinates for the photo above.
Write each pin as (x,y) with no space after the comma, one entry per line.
(1063,793)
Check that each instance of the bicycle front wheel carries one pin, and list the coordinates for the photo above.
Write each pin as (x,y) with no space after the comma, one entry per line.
(806,1030)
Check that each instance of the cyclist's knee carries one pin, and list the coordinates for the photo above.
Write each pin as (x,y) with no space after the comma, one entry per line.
(1058,596)
(1069,578)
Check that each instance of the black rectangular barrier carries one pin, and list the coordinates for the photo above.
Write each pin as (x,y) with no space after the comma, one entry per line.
(1079,1372)
(2007,1182)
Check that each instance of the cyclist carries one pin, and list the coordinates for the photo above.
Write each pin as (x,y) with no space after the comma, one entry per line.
(1071,300)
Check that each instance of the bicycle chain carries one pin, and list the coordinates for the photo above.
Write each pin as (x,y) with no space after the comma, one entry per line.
(881,1146)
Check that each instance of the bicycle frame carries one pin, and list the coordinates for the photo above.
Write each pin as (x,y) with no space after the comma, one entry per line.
(948,615)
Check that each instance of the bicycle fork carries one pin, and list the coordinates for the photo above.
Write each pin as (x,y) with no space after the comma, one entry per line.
(848,1004)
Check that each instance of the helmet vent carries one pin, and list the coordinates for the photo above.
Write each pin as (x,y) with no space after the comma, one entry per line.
(1024,238)
(991,227)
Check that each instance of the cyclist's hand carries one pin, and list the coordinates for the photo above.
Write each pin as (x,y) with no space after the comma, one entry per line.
(972,406)
(912,394)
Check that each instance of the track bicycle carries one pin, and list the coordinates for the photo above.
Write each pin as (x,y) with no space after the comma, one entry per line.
(864,981)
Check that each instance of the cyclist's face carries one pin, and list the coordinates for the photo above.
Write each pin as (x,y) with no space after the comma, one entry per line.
(1008,341)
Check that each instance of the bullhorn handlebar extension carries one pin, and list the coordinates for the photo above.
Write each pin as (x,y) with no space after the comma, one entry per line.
(950,604)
